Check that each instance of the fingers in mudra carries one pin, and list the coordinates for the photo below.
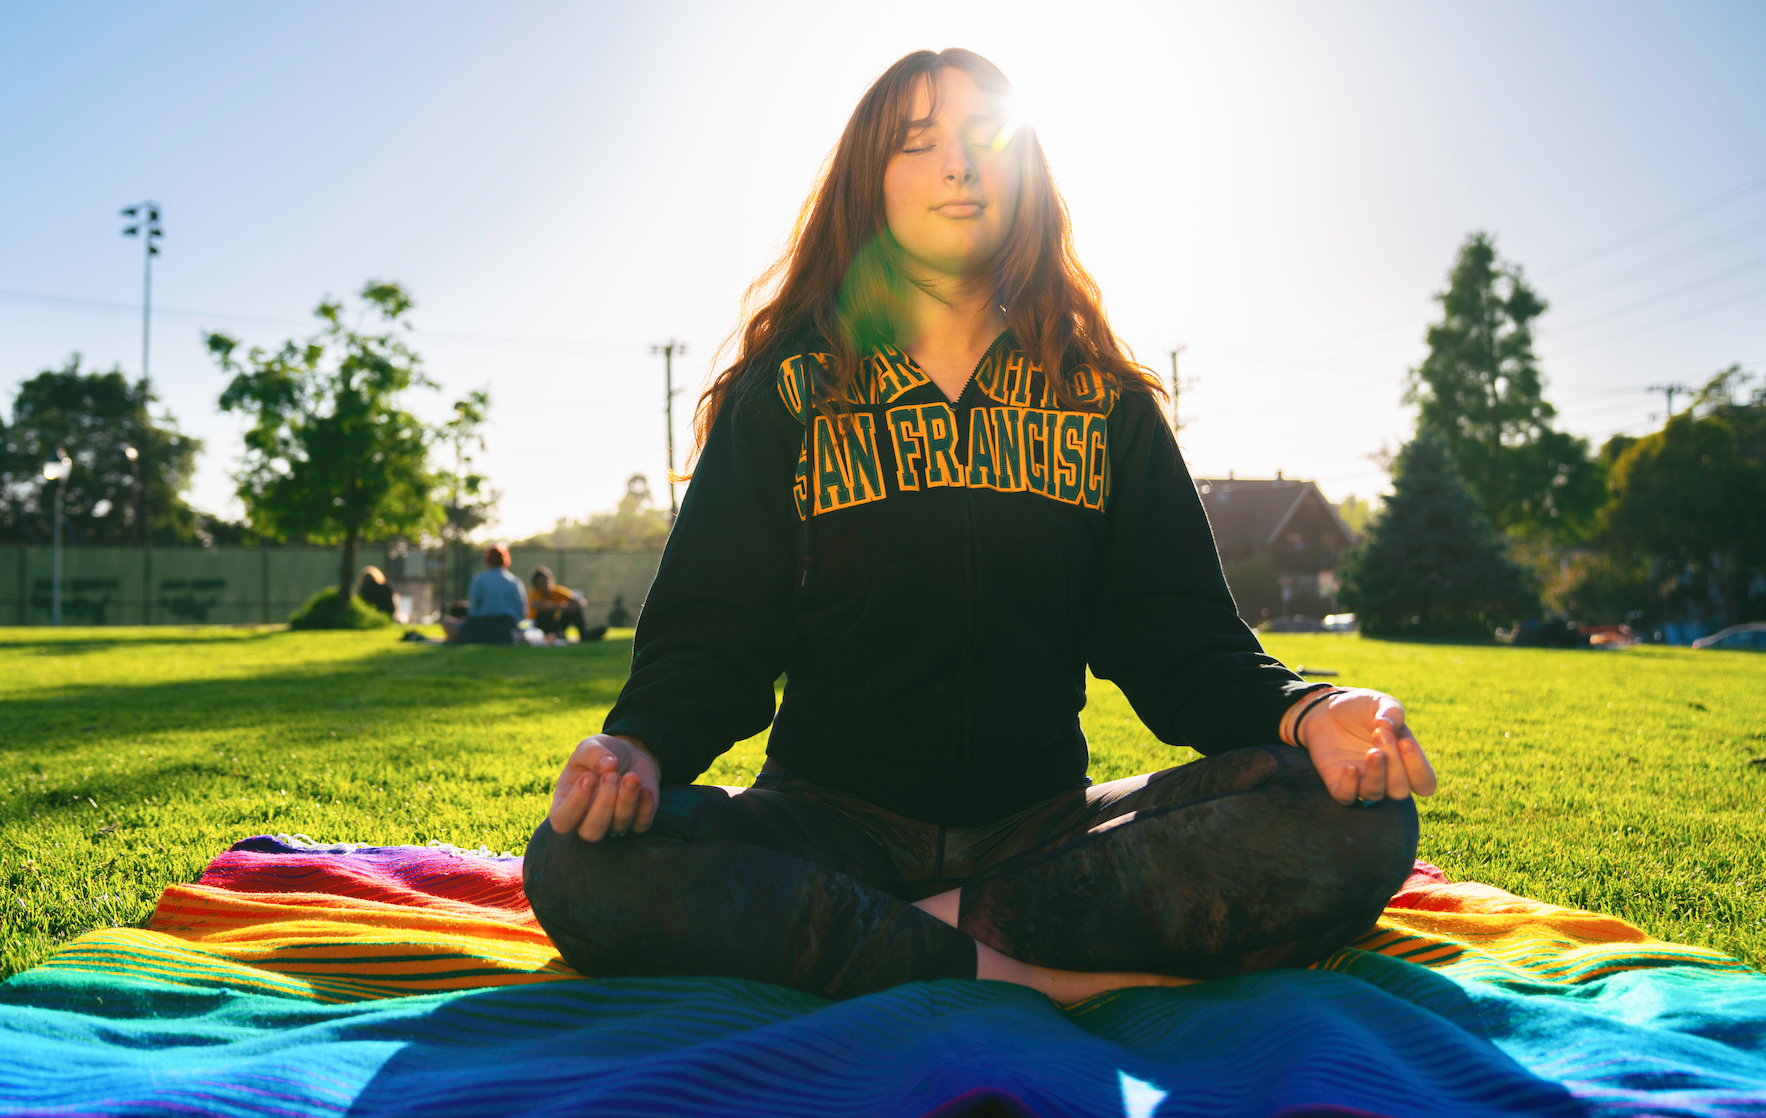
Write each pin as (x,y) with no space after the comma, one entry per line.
(1363,749)
(607,787)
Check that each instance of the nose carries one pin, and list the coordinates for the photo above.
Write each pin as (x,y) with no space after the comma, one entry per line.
(959,169)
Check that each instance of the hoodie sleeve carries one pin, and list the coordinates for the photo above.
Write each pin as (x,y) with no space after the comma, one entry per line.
(716,628)
(1167,632)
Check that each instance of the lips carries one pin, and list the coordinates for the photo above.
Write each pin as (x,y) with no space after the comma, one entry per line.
(961,207)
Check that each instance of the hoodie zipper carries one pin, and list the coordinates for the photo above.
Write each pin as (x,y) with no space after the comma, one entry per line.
(971,609)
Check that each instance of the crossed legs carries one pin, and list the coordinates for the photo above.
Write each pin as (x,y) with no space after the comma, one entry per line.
(1238,862)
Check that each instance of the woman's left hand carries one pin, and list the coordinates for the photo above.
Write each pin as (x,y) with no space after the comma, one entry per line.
(1361,747)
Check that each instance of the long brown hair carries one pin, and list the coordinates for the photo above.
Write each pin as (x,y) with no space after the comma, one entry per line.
(837,280)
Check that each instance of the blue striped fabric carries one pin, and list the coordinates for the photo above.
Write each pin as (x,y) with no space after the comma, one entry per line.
(280,986)
(1376,1036)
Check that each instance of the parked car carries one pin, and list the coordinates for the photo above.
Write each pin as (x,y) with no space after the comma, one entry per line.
(1751,636)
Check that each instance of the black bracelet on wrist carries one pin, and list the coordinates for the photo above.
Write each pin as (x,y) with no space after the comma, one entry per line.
(1307,709)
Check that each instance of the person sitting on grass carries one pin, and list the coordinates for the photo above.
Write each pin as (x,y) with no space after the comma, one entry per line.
(932,490)
(496,603)
(554,609)
(376,591)
(453,618)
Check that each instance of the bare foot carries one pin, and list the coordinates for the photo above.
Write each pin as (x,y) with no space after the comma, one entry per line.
(1063,987)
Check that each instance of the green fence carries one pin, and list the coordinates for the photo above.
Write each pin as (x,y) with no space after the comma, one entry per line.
(232,586)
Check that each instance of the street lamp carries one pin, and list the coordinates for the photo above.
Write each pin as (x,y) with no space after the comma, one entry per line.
(134,457)
(56,470)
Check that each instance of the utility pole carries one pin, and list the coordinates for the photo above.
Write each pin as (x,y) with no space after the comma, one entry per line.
(1176,388)
(145,216)
(667,353)
(1669,390)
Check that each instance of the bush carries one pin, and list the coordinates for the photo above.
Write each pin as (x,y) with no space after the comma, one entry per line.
(326,610)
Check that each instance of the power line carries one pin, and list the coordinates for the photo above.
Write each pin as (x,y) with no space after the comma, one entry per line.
(1670,390)
(1725,239)
(1608,390)
(1584,414)
(1656,227)
(116,309)
(1665,295)
(1660,322)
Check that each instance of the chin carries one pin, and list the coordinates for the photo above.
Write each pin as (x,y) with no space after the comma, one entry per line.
(966,259)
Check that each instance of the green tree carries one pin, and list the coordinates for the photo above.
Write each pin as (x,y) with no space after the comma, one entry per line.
(95,417)
(1356,513)
(468,502)
(636,524)
(331,456)
(1693,495)
(1480,398)
(1433,565)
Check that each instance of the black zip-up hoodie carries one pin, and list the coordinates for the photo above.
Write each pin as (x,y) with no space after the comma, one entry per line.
(933,579)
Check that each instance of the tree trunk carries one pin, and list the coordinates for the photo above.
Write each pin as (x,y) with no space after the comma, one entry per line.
(346,586)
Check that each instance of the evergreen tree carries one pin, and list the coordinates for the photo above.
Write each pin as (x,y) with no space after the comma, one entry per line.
(1480,398)
(1433,565)
(96,417)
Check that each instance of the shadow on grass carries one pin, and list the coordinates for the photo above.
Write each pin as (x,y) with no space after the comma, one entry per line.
(386,685)
(88,640)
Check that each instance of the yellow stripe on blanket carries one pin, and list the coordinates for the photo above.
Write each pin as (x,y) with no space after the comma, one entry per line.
(318,946)
(1481,933)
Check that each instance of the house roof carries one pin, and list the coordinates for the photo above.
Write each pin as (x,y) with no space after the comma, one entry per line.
(1256,511)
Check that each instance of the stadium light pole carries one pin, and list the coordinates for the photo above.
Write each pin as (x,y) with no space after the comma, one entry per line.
(667,353)
(145,216)
(56,470)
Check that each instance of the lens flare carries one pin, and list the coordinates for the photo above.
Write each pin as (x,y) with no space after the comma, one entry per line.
(1017,120)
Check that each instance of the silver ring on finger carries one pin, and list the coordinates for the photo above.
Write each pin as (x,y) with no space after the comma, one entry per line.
(616,834)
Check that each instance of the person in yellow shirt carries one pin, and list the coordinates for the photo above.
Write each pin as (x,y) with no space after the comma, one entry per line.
(554,609)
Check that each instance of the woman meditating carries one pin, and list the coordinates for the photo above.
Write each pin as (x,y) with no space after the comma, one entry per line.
(933,489)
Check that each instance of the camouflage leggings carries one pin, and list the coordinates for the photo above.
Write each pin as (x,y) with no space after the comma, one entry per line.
(1238,862)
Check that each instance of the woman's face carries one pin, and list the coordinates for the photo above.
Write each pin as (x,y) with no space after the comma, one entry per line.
(950,195)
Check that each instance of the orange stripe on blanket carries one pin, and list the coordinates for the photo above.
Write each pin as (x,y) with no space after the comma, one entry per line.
(207,912)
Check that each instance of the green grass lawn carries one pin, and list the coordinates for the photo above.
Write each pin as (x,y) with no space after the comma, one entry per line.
(1624,782)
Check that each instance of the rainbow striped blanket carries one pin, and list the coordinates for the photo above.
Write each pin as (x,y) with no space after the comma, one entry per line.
(294,980)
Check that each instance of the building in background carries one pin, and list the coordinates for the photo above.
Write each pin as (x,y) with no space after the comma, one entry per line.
(1281,543)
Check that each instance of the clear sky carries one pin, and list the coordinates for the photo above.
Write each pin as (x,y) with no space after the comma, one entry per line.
(1280,187)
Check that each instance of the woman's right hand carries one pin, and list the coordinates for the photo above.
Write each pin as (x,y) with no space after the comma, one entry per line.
(609,786)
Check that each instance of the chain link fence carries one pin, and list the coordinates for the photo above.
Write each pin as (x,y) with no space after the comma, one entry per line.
(239,586)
